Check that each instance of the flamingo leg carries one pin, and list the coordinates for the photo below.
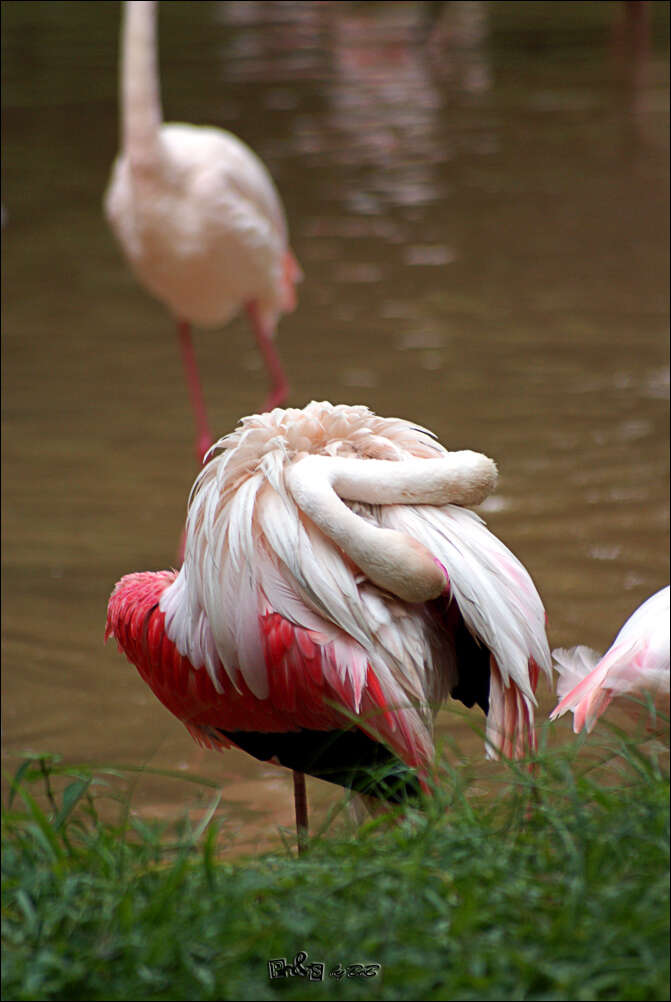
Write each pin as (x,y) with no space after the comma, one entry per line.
(279,384)
(203,434)
(301,804)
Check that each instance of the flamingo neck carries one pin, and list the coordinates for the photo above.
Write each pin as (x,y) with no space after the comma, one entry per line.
(140,88)
(392,560)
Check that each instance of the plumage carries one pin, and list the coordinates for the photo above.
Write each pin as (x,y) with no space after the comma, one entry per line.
(272,628)
(636,662)
(197,216)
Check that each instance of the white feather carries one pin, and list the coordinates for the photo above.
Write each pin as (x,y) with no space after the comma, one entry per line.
(251,550)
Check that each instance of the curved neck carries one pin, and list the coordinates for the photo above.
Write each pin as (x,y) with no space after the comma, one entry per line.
(140,88)
(463,478)
(392,560)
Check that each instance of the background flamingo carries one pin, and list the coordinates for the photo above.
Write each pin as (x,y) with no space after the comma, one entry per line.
(197,216)
(636,662)
(332,596)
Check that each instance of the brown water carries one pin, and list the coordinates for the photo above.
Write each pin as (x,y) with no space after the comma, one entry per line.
(479,203)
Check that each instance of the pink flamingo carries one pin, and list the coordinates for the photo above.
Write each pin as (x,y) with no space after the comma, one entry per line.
(198,217)
(334,592)
(637,661)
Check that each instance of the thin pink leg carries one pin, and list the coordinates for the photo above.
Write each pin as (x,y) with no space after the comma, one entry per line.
(279,384)
(203,434)
(301,803)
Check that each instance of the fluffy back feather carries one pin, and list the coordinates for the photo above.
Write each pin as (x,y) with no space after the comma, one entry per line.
(251,550)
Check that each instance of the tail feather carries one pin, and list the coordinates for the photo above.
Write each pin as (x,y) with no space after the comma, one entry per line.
(636,661)
(510,723)
(582,678)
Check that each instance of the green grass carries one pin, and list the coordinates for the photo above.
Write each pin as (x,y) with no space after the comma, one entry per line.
(554,887)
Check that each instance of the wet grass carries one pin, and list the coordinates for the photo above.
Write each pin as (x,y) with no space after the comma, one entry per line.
(555,887)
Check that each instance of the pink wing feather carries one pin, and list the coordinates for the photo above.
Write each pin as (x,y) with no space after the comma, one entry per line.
(306,687)
(637,661)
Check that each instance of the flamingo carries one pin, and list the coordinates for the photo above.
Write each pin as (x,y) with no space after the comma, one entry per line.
(334,592)
(198,217)
(636,661)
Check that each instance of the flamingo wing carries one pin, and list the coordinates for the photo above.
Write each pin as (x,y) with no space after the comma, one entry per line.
(314,719)
(637,661)
(500,625)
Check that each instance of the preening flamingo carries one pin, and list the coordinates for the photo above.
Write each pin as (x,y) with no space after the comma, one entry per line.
(333,594)
(636,662)
(198,217)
